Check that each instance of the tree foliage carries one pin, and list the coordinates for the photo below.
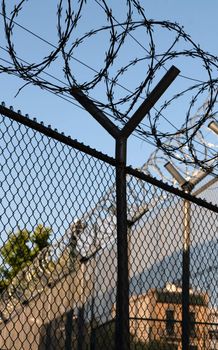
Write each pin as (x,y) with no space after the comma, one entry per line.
(20,250)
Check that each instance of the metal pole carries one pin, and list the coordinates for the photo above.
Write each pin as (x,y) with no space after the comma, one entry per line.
(69,330)
(186,277)
(122,302)
(187,186)
(92,337)
(80,319)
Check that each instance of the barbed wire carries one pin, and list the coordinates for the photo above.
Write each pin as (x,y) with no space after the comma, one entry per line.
(206,150)
(114,68)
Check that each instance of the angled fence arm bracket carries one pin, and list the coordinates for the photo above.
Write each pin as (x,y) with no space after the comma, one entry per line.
(150,101)
(97,114)
(137,117)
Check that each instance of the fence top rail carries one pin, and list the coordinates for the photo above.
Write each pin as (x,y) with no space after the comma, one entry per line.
(136,173)
(54,134)
(61,137)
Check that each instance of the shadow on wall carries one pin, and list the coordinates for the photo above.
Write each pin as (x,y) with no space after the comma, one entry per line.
(66,332)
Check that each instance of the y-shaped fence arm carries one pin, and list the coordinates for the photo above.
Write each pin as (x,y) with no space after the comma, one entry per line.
(122,339)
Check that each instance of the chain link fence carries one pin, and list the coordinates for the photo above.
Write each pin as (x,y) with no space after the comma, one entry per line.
(58,254)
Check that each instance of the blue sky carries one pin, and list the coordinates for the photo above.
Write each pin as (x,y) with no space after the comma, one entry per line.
(197,16)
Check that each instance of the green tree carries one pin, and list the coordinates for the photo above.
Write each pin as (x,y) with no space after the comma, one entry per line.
(20,250)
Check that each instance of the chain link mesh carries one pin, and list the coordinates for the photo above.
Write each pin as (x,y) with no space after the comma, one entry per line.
(170,228)
(58,252)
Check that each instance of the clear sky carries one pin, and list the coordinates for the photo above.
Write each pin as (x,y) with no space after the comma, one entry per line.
(199,18)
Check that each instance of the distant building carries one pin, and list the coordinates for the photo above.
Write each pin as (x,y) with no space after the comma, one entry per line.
(157,315)
(213,330)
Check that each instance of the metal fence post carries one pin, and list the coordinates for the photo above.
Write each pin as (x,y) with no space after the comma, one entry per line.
(122,308)
(69,330)
(186,277)
(121,137)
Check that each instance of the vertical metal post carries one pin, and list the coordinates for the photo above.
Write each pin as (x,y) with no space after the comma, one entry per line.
(48,335)
(80,319)
(81,330)
(186,277)
(69,330)
(122,302)
(121,136)
(92,331)
(93,340)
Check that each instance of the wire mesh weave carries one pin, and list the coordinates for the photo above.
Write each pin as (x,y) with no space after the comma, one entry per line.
(58,252)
